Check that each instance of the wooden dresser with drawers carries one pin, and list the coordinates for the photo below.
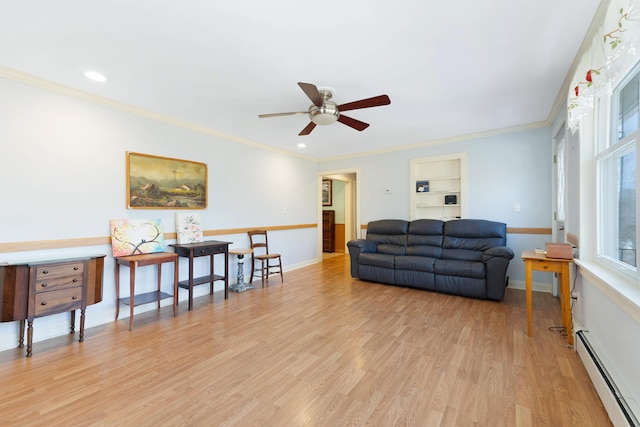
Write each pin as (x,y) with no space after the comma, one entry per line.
(34,289)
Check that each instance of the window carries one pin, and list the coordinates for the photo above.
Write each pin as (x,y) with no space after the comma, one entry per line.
(560,177)
(617,190)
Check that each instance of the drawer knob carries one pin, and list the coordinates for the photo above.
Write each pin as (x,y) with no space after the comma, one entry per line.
(45,272)
(75,280)
(44,285)
(74,297)
(75,268)
(43,303)
(201,251)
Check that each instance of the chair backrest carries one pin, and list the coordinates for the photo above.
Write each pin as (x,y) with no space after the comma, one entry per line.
(258,239)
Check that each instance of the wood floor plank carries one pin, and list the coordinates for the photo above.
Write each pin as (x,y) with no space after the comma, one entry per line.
(320,349)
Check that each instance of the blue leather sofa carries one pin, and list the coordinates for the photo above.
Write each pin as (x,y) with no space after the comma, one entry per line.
(467,257)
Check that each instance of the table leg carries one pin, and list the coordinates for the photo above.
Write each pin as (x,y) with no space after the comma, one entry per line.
(159,283)
(211,271)
(132,288)
(29,337)
(176,263)
(190,290)
(117,289)
(565,294)
(226,273)
(21,341)
(81,338)
(528,278)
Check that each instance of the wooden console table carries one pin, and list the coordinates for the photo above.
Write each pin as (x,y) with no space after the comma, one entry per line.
(208,248)
(538,261)
(134,261)
(36,289)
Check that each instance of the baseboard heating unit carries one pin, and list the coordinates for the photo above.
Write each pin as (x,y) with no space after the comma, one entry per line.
(612,398)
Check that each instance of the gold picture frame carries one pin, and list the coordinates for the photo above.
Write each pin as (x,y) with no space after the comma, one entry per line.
(155,182)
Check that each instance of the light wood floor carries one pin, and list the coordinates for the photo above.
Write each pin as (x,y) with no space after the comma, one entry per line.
(320,350)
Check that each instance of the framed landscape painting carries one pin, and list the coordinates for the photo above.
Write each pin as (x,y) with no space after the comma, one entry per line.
(155,182)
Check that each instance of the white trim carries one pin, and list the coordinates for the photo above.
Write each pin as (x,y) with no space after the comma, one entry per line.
(106,102)
(621,289)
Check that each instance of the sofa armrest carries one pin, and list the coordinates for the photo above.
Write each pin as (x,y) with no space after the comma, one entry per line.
(355,248)
(497,260)
(497,251)
(362,245)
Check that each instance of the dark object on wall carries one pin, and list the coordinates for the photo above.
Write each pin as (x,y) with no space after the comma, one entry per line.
(328,231)
(327,192)
(450,199)
(422,186)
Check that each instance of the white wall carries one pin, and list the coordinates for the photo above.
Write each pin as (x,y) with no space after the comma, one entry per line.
(337,202)
(502,170)
(62,175)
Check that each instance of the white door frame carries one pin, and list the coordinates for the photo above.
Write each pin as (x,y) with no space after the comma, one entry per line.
(352,202)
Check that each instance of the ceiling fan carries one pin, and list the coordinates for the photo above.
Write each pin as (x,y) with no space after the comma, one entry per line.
(323,111)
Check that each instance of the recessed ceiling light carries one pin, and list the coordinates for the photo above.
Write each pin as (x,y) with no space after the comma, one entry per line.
(95,76)
(302,145)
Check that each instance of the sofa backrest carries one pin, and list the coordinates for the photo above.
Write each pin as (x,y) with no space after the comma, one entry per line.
(390,235)
(425,238)
(466,239)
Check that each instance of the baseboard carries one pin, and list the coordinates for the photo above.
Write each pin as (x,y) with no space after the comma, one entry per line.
(621,411)
(535,286)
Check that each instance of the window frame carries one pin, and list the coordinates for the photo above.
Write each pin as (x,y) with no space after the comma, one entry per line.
(609,149)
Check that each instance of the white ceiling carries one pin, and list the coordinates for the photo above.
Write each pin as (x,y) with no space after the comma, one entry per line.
(451,68)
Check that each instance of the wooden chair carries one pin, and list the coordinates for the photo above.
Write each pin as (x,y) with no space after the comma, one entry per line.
(260,245)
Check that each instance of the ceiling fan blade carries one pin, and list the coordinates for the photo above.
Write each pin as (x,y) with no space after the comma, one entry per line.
(262,116)
(375,101)
(312,92)
(307,130)
(356,124)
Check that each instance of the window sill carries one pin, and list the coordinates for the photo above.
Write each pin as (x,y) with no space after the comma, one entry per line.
(622,290)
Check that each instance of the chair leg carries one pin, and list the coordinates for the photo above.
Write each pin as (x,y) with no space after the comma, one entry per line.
(253,264)
(264,271)
(280,266)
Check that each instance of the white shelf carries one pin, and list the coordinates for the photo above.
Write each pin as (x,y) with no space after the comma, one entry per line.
(424,193)
(442,175)
(438,178)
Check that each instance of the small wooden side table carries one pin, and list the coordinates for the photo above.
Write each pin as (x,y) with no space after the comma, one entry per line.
(208,248)
(539,261)
(241,285)
(134,261)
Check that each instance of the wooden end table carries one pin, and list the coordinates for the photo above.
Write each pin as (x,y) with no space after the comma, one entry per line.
(134,261)
(540,262)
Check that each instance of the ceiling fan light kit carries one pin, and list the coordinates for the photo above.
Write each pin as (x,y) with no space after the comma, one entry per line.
(323,111)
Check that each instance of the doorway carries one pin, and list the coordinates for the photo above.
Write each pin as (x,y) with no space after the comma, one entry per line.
(345,202)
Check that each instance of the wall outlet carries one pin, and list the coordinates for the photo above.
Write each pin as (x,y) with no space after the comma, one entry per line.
(516,207)
(387,191)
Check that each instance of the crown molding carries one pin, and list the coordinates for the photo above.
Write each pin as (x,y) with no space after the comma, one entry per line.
(38,82)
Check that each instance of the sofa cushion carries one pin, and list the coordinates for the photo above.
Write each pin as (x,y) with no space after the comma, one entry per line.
(468,239)
(459,268)
(390,235)
(415,263)
(425,238)
(465,286)
(376,259)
